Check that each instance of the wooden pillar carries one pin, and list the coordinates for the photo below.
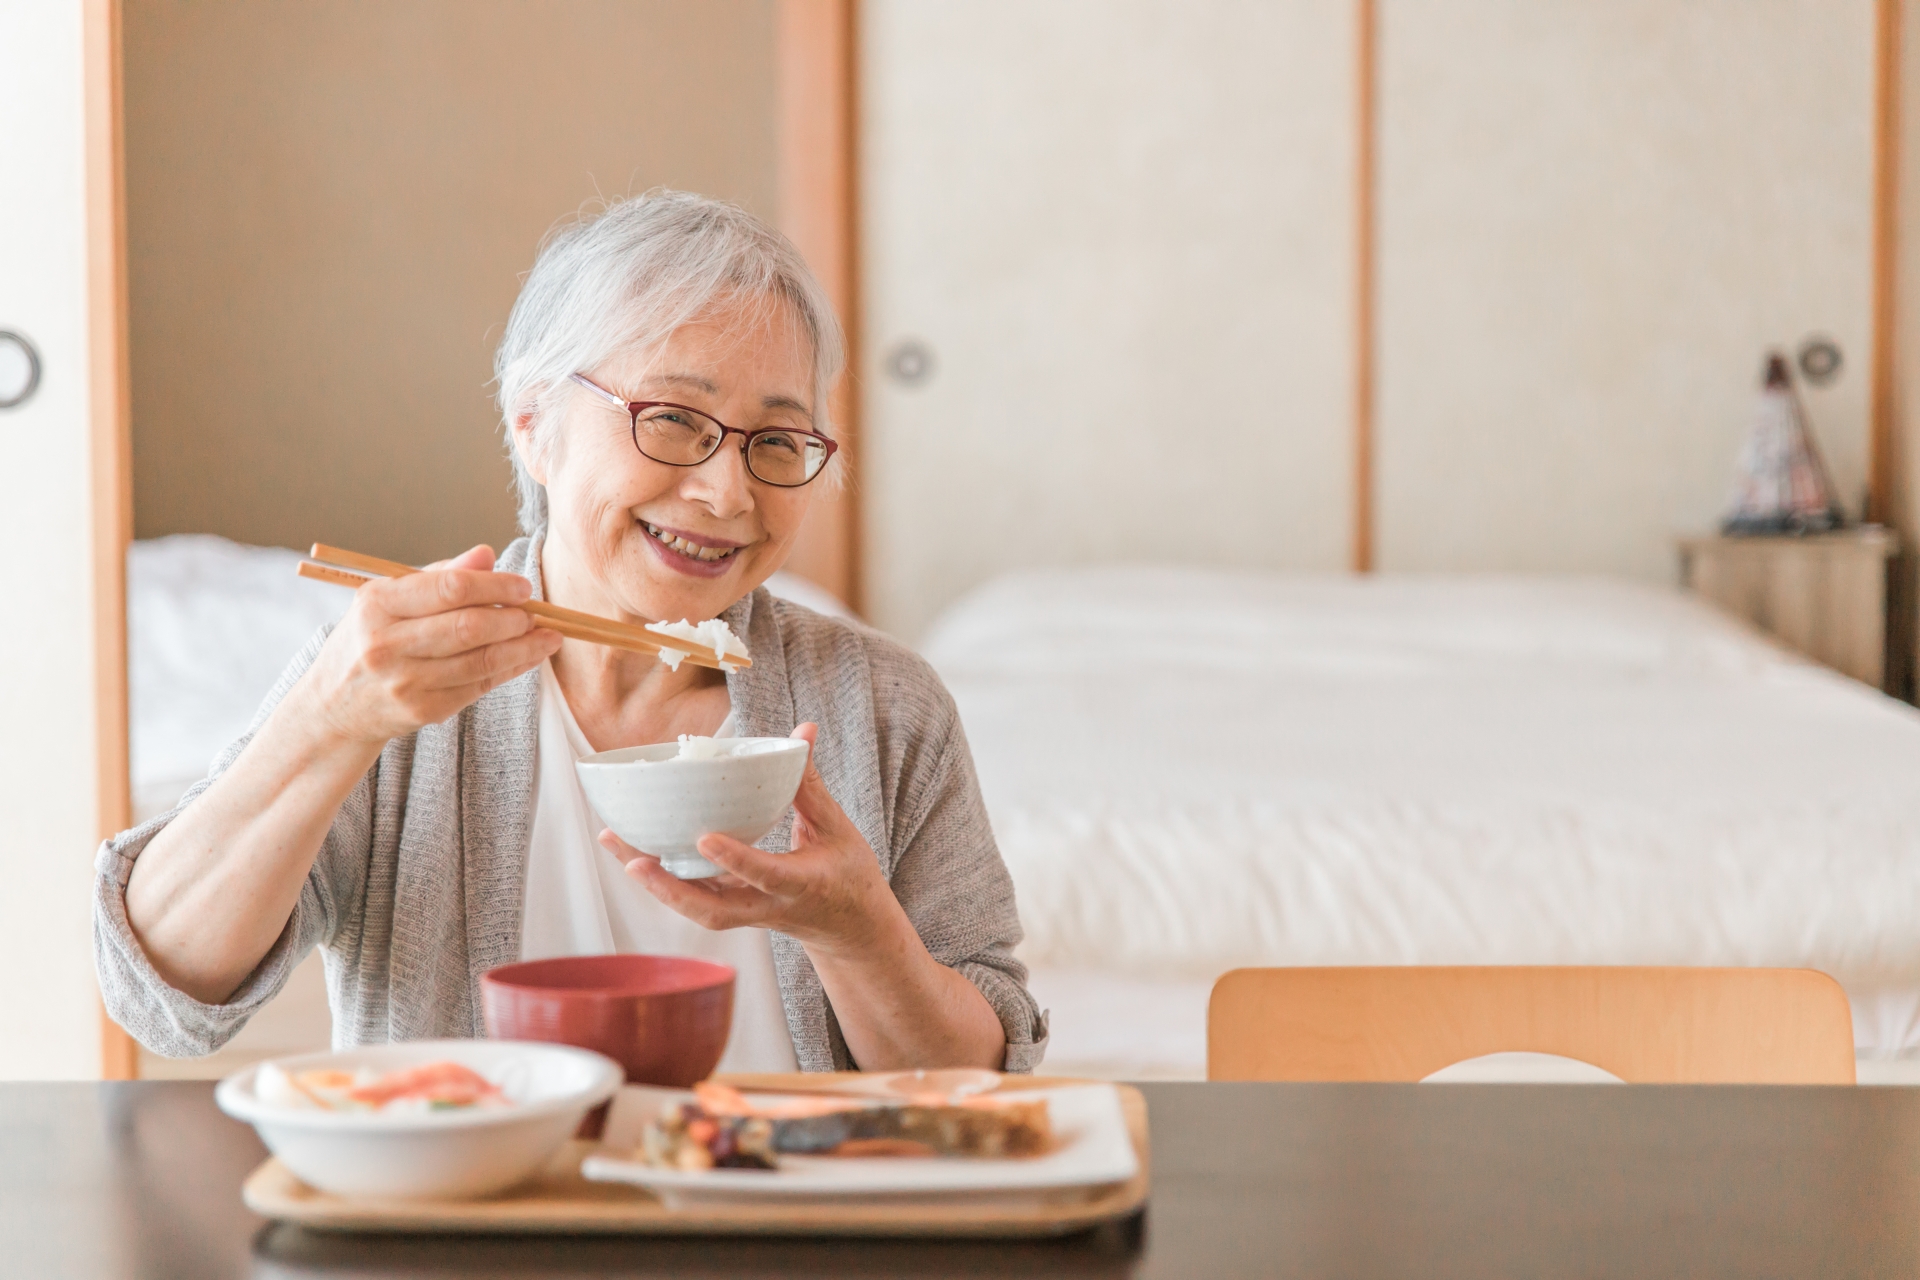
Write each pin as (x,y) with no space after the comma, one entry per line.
(1366,65)
(1886,255)
(1893,414)
(819,178)
(110,444)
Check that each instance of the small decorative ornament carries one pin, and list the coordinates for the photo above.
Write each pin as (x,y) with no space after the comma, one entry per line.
(1779,483)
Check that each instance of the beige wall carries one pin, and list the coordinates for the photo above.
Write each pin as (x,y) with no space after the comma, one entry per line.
(330,205)
(1106,218)
(1594,218)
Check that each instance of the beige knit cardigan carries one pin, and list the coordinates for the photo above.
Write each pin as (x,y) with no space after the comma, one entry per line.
(419,885)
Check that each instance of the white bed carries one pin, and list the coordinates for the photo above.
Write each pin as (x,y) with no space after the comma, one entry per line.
(1190,771)
(1334,771)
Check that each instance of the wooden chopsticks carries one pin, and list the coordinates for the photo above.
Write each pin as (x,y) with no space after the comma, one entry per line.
(351,569)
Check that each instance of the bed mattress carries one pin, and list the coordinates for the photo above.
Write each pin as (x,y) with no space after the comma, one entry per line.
(1191,771)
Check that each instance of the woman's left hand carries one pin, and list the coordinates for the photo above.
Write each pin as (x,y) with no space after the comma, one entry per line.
(897,1006)
(827,892)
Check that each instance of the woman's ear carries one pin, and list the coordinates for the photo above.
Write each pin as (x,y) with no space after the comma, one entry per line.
(526,447)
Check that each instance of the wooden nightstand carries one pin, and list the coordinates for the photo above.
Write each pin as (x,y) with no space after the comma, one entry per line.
(1824,594)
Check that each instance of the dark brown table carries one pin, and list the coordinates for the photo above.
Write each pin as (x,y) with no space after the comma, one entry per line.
(142,1180)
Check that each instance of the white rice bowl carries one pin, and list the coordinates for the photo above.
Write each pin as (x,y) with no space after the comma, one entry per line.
(661,798)
(406,1153)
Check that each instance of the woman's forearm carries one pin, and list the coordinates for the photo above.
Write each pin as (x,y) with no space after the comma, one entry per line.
(212,891)
(210,894)
(900,1008)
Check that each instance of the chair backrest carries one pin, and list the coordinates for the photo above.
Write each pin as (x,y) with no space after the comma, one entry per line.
(1645,1025)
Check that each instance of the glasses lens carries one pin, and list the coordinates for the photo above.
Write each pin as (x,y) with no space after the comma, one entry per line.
(680,437)
(786,457)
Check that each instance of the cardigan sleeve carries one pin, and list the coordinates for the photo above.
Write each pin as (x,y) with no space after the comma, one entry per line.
(949,877)
(170,1022)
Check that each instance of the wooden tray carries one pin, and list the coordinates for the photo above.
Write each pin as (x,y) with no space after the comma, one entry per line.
(560,1201)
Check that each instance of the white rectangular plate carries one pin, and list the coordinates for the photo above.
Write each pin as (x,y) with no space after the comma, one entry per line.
(1094,1150)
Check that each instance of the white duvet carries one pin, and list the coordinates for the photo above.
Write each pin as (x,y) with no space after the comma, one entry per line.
(211,624)
(1189,771)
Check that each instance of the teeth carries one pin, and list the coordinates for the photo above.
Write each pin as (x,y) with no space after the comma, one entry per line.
(693,550)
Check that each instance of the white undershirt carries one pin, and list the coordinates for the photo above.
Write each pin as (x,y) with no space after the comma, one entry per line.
(581,902)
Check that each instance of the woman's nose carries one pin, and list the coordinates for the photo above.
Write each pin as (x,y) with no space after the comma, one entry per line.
(721,483)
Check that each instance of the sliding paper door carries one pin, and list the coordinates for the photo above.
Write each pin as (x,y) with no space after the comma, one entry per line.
(1110,289)
(1106,248)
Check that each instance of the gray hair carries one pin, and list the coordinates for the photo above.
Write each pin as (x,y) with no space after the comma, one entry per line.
(624,280)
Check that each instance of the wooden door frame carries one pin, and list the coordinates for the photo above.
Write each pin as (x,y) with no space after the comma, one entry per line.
(110,445)
(817,52)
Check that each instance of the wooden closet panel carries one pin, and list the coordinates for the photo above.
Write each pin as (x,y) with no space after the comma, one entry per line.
(1593,220)
(1123,232)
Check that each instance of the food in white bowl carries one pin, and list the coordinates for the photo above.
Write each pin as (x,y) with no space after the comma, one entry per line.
(507,1107)
(431,1086)
(694,747)
(662,798)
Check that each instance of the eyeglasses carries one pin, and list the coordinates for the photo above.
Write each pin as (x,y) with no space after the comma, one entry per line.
(681,436)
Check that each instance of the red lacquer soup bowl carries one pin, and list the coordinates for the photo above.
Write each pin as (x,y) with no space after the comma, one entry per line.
(664,1018)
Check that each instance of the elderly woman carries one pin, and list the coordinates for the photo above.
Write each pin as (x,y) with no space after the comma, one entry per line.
(407,801)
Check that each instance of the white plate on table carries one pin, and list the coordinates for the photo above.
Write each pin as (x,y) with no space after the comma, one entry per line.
(1095,1151)
(429,1155)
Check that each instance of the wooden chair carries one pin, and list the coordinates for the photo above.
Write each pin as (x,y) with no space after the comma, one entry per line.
(1645,1025)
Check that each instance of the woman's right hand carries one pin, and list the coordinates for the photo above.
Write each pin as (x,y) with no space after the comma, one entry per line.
(413,651)
(215,887)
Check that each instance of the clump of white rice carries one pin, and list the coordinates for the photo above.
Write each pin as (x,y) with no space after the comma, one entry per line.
(694,747)
(712,634)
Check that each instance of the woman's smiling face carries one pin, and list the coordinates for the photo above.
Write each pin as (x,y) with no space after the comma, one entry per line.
(629,535)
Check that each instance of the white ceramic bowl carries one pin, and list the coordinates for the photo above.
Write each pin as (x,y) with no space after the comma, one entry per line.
(433,1155)
(662,805)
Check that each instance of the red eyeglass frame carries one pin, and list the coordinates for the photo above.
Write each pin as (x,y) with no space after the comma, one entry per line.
(632,409)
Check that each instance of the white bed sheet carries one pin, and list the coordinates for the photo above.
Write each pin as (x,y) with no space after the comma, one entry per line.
(1190,771)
